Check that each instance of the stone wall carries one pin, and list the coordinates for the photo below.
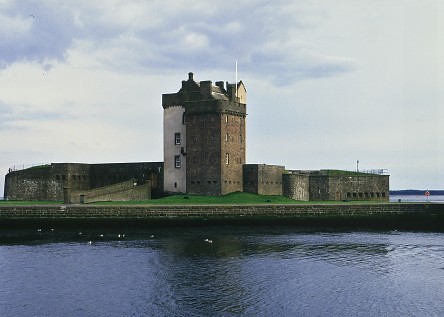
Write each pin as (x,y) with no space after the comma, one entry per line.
(174,145)
(393,215)
(335,185)
(360,187)
(296,186)
(233,150)
(47,182)
(124,191)
(203,154)
(263,179)
(215,148)
(34,183)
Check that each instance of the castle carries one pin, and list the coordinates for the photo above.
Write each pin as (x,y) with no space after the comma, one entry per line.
(204,129)
(204,138)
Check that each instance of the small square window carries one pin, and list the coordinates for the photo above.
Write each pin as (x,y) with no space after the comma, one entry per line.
(177,161)
(177,138)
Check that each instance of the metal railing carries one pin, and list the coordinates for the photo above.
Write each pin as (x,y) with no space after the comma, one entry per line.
(382,171)
(23,167)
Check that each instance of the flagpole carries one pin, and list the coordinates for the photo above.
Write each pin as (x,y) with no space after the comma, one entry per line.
(236,79)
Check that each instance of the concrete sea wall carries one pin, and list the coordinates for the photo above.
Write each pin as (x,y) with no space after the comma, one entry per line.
(389,215)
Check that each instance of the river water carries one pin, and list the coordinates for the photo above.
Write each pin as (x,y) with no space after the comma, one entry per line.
(226,271)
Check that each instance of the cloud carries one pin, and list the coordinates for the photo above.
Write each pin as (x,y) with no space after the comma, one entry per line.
(142,36)
(34,31)
(19,116)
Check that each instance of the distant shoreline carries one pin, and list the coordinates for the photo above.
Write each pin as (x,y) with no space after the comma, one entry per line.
(417,192)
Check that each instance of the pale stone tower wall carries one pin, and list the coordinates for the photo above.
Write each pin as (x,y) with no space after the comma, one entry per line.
(174,145)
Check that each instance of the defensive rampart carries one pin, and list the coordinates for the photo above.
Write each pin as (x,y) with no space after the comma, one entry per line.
(124,191)
(386,215)
(48,182)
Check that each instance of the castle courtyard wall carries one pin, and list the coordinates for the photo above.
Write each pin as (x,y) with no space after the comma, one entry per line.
(319,185)
(362,187)
(263,179)
(34,184)
(296,186)
(48,182)
(125,191)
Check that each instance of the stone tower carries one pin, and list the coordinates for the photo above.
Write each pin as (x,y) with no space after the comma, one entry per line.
(204,138)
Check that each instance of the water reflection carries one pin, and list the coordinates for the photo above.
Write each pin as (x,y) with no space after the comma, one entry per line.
(242,271)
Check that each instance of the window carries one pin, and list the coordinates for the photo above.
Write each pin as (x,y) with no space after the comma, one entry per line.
(240,138)
(177,138)
(177,161)
(226,119)
(184,118)
(226,137)
(227,158)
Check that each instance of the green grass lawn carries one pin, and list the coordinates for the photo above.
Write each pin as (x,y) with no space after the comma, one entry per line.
(233,198)
(229,199)
(25,202)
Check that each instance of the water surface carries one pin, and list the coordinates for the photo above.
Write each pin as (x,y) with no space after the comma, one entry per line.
(228,271)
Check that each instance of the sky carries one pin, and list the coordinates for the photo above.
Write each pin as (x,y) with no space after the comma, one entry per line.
(329,83)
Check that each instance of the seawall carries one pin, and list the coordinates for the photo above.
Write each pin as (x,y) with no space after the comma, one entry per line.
(412,216)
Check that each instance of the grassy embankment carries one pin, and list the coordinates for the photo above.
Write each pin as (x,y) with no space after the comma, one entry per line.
(229,199)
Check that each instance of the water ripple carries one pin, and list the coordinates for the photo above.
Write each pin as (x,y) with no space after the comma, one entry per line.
(243,272)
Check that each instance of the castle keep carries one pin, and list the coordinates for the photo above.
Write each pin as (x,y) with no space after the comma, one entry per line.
(204,138)
(204,130)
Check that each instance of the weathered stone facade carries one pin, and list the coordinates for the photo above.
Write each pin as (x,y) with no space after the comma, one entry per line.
(335,185)
(263,179)
(387,216)
(296,186)
(214,149)
(124,191)
(48,182)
